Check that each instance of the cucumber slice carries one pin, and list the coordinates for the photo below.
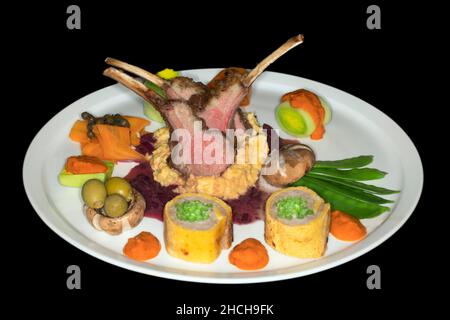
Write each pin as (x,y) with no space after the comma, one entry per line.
(293,121)
(151,113)
(327,108)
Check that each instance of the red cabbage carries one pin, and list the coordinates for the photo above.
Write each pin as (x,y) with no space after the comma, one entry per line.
(156,196)
(146,144)
(248,207)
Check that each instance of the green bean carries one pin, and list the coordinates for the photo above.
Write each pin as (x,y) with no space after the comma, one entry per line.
(356,193)
(340,200)
(360,174)
(350,163)
(361,195)
(353,184)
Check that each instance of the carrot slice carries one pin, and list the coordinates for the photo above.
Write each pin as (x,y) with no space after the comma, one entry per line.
(137,126)
(93,149)
(78,133)
(116,143)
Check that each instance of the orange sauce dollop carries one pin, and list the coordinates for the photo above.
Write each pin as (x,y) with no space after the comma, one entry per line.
(142,247)
(345,227)
(250,254)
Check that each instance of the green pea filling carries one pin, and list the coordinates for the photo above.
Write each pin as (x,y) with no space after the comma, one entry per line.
(293,207)
(193,210)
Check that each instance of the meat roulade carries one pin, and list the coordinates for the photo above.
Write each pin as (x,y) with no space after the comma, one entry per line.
(197,227)
(297,222)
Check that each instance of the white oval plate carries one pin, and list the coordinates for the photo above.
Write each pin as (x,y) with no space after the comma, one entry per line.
(357,128)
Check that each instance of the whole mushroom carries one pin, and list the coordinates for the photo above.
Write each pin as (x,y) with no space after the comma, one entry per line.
(294,161)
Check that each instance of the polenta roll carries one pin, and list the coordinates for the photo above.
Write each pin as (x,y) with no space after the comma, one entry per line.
(197,227)
(297,222)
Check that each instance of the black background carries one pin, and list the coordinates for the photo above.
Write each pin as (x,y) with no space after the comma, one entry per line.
(383,67)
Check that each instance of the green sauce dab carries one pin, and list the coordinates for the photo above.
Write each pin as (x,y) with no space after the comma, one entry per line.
(293,207)
(193,210)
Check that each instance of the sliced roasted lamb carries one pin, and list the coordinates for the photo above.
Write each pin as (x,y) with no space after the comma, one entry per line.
(224,100)
(179,115)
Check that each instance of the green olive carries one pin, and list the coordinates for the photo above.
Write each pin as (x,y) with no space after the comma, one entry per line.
(115,205)
(117,185)
(94,193)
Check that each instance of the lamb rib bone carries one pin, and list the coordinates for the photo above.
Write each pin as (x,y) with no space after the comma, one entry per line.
(288,45)
(134,85)
(137,71)
(220,109)
(178,88)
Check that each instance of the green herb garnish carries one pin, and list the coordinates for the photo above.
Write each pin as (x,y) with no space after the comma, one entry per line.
(155,88)
(293,207)
(193,210)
